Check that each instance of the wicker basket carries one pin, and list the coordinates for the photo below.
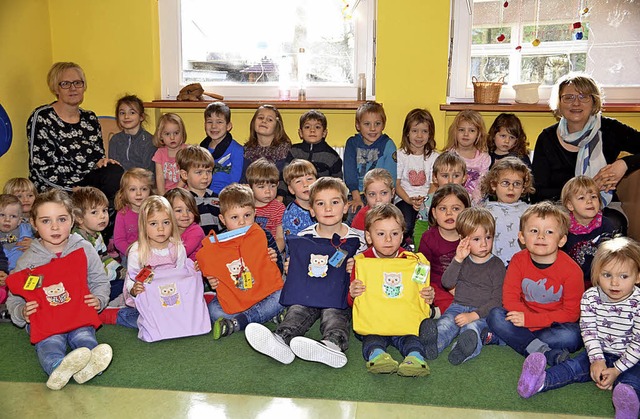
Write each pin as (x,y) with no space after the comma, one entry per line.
(487,92)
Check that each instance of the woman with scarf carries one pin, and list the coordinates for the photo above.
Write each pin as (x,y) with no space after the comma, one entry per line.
(584,142)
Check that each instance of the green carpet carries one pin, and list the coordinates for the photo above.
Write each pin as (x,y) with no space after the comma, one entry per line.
(230,365)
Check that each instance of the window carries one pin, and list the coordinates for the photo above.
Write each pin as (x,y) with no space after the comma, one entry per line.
(252,49)
(599,37)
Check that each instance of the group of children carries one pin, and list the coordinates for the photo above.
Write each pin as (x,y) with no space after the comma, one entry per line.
(489,269)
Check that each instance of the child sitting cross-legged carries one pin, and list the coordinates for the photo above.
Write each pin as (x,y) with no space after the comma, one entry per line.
(328,198)
(542,290)
(384,227)
(237,211)
(91,209)
(262,176)
(477,277)
(610,326)
(298,175)
(61,306)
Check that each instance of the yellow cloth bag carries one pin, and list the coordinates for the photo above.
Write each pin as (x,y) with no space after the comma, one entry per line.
(391,304)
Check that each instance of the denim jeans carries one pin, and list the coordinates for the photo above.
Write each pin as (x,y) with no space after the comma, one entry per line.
(53,349)
(128,317)
(557,336)
(577,370)
(448,330)
(334,324)
(260,312)
(405,344)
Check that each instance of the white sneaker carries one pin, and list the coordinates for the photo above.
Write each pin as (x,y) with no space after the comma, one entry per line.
(264,341)
(311,350)
(100,359)
(75,361)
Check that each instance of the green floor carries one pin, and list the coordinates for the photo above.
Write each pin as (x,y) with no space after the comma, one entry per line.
(200,364)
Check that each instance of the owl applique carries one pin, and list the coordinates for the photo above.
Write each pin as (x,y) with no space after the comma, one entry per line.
(318,266)
(57,294)
(240,274)
(169,295)
(392,286)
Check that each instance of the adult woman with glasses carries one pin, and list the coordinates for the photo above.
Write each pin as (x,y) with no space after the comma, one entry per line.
(584,142)
(65,141)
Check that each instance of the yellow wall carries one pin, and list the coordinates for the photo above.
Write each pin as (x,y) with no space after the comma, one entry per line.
(25,53)
(117,44)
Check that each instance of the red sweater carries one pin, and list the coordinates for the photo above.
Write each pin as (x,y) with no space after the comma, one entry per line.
(543,295)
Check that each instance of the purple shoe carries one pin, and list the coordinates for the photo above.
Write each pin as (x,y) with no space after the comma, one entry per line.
(533,375)
(625,401)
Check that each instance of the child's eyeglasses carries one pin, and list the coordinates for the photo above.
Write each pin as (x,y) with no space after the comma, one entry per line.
(67,84)
(516,185)
(571,98)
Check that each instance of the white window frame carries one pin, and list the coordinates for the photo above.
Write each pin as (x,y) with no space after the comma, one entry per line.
(364,13)
(460,86)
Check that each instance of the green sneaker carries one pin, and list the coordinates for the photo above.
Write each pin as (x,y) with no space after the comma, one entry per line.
(413,367)
(222,327)
(279,317)
(382,364)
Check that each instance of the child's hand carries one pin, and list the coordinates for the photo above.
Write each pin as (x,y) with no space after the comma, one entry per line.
(213,282)
(595,370)
(273,255)
(516,318)
(356,203)
(92,301)
(196,266)
(609,376)
(3,277)
(285,267)
(349,266)
(428,294)
(28,310)
(137,288)
(416,202)
(464,319)
(356,288)
(463,250)
(24,244)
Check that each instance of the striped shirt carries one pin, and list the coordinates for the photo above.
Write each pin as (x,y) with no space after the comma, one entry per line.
(611,327)
(269,217)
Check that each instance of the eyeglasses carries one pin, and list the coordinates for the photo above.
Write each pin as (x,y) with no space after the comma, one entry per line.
(516,185)
(67,84)
(571,98)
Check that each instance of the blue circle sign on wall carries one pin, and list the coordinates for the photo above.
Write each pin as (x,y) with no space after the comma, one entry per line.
(5,131)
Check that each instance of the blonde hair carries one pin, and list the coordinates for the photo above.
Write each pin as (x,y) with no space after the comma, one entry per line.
(451,160)
(55,73)
(379,175)
(472,218)
(383,212)
(298,168)
(371,107)
(328,183)
(236,195)
(475,119)
(513,164)
(162,122)
(546,209)
(150,206)
(584,84)
(617,250)
(576,185)
(19,184)
(143,175)
(262,171)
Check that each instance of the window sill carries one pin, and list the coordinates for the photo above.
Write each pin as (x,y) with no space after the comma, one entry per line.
(538,107)
(254,104)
